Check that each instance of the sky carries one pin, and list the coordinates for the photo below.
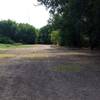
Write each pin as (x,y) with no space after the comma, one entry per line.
(24,11)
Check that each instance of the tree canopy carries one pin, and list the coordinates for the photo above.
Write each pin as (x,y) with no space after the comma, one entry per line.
(77,20)
(12,32)
(44,35)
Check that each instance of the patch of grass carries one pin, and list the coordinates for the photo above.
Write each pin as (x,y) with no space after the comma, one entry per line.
(11,46)
(7,55)
(76,53)
(67,68)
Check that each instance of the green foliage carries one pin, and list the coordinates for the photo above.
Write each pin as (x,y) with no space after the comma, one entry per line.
(55,37)
(25,34)
(77,20)
(6,40)
(11,31)
(44,36)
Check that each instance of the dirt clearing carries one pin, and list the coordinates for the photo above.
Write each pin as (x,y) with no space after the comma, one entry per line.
(44,72)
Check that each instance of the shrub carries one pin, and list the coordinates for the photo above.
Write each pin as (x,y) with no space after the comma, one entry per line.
(6,40)
(55,37)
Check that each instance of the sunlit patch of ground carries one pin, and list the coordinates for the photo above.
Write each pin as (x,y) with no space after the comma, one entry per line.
(35,55)
(7,56)
(67,68)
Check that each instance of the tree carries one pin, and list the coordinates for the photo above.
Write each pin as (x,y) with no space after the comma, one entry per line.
(79,17)
(26,34)
(8,28)
(44,36)
(14,32)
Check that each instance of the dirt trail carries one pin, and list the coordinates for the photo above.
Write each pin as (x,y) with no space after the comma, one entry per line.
(34,74)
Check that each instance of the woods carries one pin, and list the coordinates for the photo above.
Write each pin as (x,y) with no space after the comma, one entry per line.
(77,20)
(12,32)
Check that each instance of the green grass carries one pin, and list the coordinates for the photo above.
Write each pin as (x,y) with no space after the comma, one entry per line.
(11,46)
(67,68)
(7,55)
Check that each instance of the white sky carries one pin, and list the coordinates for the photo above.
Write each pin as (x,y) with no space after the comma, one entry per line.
(24,11)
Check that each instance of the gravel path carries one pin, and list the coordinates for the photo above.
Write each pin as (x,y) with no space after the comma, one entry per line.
(34,79)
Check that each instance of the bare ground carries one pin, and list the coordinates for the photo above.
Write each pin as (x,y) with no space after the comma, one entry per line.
(32,74)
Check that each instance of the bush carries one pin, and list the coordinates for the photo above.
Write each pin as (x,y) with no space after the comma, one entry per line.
(55,37)
(6,40)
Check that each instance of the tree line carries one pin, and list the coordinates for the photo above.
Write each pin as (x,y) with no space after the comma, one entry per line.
(75,23)
(12,32)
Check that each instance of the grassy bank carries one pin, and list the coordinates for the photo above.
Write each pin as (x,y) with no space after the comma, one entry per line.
(11,46)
